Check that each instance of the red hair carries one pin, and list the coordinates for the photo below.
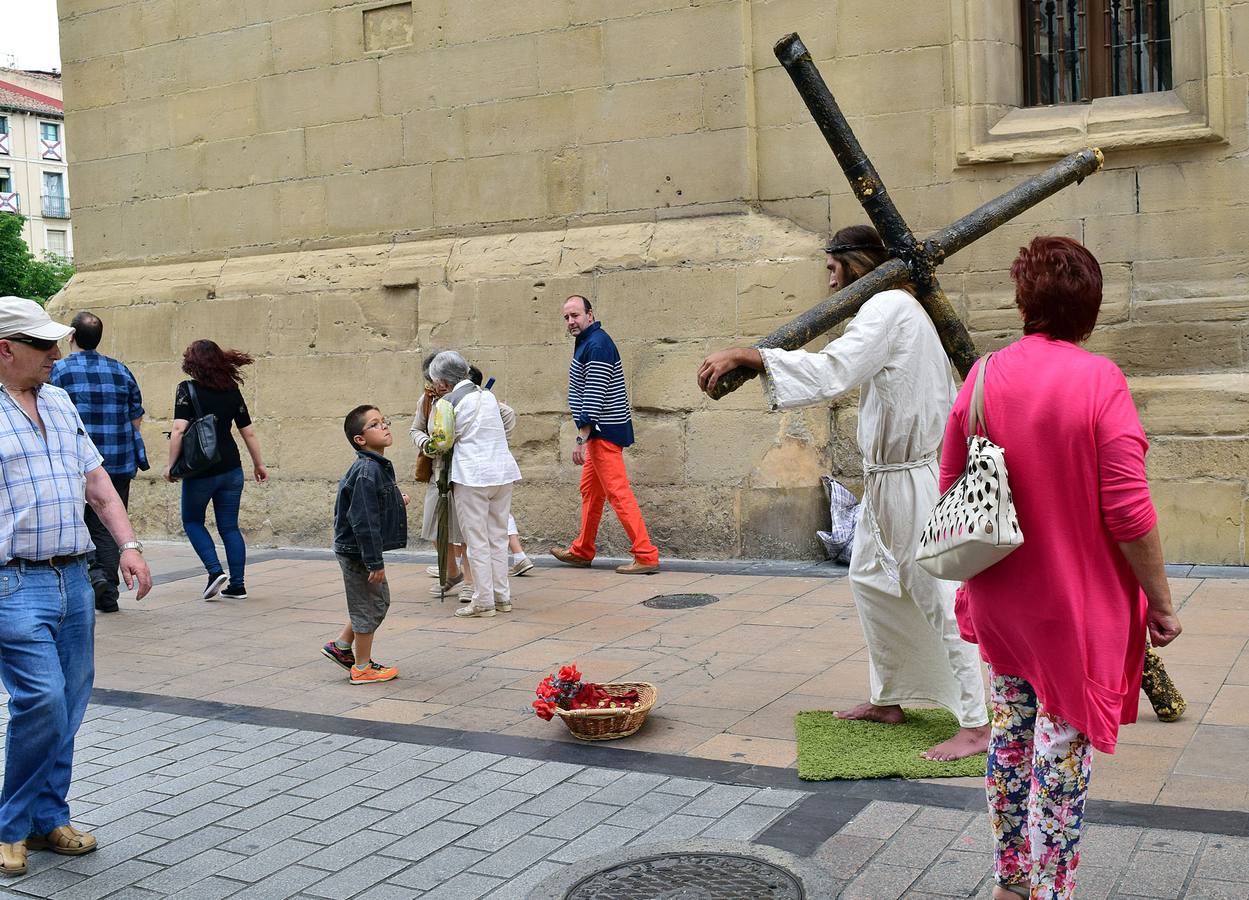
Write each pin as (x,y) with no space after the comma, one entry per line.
(1058,288)
(213,367)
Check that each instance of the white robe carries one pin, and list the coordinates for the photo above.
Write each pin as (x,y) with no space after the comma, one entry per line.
(892,350)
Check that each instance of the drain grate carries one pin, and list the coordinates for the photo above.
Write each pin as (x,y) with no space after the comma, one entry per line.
(680,601)
(690,876)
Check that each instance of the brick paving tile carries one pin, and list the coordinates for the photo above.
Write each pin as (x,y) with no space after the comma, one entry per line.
(343,853)
(171,879)
(467,886)
(119,809)
(1153,874)
(516,765)
(270,786)
(518,888)
(415,817)
(487,808)
(44,883)
(913,847)
(880,882)
(332,830)
(674,828)
(555,800)
(407,793)
(576,820)
(347,798)
(546,776)
(501,832)
(356,877)
(1224,859)
(432,837)
(273,858)
(594,842)
(386,892)
(743,823)
(945,819)
(956,873)
(264,811)
(189,800)
(463,766)
(1209,889)
(170,853)
(719,800)
(114,879)
(280,885)
(437,867)
(182,825)
(476,786)
(597,777)
(250,843)
(517,856)
(686,787)
(880,819)
(628,788)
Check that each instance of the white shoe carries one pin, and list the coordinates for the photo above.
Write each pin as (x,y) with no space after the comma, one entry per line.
(521,567)
(215,585)
(474,612)
(466,593)
(431,571)
(441,590)
(503,605)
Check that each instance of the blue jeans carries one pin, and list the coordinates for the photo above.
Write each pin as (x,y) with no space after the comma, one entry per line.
(47,663)
(226,492)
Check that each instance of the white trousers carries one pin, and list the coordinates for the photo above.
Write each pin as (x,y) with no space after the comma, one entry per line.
(483,514)
(913,645)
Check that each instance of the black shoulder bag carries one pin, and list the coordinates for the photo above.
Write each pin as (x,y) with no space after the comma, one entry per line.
(199,451)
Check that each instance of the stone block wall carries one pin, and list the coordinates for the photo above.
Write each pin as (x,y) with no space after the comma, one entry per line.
(340,186)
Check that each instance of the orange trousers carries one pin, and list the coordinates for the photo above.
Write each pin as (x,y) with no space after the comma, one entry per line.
(604,479)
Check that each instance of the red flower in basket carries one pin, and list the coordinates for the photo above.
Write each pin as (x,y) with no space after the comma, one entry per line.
(566,690)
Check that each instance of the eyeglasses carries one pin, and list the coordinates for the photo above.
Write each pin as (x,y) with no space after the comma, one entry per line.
(38,343)
(385,423)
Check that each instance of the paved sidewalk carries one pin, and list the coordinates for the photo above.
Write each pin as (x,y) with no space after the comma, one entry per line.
(730,675)
(203,807)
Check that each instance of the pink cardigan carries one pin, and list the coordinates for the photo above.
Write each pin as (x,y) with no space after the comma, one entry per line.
(1064,611)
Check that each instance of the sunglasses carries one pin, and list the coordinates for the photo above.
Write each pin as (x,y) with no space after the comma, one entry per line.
(38,343)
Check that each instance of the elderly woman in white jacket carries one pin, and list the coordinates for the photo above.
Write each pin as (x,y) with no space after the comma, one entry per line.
(467,422)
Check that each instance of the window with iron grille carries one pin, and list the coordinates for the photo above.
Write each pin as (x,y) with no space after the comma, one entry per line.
(1078,50)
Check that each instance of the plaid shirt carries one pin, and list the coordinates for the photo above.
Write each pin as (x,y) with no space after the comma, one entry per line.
(108,400)
(43,489)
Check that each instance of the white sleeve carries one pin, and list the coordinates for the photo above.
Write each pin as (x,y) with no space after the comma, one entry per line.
(799,377)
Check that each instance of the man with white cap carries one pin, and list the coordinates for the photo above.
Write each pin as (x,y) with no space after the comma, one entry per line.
(47,630)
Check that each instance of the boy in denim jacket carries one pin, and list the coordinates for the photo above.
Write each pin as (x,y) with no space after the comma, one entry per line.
(369,517)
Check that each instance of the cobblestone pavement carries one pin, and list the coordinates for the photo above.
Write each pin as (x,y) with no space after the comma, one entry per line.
(731,675)
(196,807)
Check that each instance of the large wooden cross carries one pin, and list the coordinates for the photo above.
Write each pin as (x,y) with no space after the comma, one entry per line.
(911,260)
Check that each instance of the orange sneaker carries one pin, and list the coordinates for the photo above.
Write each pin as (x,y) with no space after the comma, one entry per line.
(373,672)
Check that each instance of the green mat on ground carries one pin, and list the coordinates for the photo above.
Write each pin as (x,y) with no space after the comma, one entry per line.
(829,747)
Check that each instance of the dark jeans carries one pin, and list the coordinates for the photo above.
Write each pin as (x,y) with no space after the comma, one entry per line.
(103,561)
(226,492)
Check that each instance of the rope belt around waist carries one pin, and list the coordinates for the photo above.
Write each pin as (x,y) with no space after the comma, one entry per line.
(56,562)
(870,468)
(887,561)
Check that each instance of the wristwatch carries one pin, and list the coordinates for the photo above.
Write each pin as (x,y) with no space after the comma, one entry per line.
(580,440)
(131,545)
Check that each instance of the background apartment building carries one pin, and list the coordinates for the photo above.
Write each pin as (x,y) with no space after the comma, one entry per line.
(34,178)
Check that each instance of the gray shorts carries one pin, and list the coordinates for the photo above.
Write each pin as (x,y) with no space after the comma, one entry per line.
(366,603)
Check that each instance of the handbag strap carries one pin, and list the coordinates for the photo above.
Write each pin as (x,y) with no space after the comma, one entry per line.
(975,412)
(190,387)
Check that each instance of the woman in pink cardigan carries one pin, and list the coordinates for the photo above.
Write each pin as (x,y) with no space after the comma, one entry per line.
(1062,621)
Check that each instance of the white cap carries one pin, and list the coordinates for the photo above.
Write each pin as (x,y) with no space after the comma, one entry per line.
(20,316)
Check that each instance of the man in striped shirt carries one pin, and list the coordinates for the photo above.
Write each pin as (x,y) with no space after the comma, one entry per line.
(600,410)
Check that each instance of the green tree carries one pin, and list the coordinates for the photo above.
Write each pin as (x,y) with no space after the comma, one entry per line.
(15,258)
(23,275)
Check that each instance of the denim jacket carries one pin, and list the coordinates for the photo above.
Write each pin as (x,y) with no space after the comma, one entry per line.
(369,515)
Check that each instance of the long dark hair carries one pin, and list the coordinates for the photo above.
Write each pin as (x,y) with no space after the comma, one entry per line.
(859,249)
(213,367)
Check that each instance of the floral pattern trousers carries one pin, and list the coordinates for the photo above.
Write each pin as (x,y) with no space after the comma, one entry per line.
(1037,781)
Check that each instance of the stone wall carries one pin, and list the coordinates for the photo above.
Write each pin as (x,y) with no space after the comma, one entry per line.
(339,187)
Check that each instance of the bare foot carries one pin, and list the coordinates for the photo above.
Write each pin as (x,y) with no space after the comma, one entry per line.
(968,742)
(870,712)
(1001,893)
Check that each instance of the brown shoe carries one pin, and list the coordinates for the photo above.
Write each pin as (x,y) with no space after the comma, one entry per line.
(568,558)
(637,568)
(65,840)
(13,858)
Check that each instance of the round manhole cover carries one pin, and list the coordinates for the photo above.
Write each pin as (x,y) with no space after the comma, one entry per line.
(680,601)
(690,876)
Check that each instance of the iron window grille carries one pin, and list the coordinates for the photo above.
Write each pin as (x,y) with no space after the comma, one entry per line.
(1076,51)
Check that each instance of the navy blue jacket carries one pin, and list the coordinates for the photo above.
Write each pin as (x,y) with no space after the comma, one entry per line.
(596,388)
(369,515)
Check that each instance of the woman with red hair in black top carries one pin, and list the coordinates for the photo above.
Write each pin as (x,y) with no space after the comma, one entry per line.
(214,385)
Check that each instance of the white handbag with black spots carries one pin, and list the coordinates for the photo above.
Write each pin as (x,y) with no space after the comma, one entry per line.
(973,524)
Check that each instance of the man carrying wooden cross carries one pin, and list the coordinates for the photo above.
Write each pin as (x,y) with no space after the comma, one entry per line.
(892,351)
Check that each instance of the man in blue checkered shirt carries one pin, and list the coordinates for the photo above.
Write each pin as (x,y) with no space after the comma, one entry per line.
(108,400)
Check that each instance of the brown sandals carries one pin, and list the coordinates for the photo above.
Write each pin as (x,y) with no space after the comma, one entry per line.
(13,858)
(65,840)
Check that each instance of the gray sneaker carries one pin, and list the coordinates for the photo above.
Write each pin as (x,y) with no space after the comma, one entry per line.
(523,565)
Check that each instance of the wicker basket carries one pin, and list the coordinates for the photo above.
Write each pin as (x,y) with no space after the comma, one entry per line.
(609,724)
